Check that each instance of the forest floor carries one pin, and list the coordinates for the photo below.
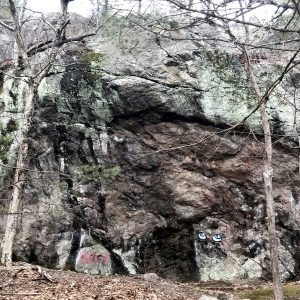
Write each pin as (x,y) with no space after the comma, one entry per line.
(30,282)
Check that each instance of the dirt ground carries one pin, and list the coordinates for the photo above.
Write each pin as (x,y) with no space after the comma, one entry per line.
(30,282)
(26,282)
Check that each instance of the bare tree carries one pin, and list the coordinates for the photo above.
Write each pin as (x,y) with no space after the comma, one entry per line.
(262,98)
(139,6)
(32,75)
(101,10)
(229,17)
(268,176)
(268,167)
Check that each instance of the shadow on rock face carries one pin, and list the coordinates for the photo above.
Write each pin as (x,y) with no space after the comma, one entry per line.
(170,254)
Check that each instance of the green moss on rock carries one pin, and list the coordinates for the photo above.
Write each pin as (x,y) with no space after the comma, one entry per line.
(6,140)
(97,173)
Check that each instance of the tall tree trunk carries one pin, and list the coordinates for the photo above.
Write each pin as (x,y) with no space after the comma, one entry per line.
(64,11)
(268,175)
(104,14)
(34,79)
(19,177)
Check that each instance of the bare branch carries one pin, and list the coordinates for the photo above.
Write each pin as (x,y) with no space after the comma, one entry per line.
(7,26)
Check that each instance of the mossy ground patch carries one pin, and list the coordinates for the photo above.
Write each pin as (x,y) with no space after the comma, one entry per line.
(291,292)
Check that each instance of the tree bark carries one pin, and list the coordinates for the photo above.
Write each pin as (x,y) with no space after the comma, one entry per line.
(267,176)
(104,14)
(19,177)
(33,81)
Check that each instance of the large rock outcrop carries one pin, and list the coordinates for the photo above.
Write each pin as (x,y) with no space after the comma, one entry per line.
(129,165)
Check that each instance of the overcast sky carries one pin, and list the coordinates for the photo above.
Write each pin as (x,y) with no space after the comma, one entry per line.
(82,7)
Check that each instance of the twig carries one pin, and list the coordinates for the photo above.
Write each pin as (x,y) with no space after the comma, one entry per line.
(44,275)
(20,294)
(17,272)
(6,285)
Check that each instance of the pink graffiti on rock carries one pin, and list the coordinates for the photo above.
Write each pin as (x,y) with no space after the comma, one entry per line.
(94,258)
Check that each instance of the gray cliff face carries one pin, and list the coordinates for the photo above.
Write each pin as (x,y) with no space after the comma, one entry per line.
(127,167)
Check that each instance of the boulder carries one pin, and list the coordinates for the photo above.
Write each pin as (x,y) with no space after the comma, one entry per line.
(94,260)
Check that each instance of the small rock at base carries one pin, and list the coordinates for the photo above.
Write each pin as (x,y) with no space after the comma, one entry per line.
(205,297)
(151,277)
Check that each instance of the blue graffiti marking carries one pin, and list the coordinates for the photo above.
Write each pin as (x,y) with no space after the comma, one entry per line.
(202,236)
(217,238)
